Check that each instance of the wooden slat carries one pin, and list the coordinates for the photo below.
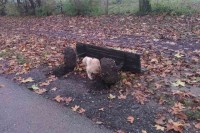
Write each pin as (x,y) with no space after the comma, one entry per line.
(131,61)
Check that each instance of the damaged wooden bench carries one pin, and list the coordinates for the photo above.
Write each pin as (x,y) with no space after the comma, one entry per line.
(125,60)
(111,61)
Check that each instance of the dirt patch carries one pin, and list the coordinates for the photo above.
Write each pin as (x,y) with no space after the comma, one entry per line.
(93,96)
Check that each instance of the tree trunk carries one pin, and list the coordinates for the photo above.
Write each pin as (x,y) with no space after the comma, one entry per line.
(38,2)
(32,6)
(144,6)
(106,7)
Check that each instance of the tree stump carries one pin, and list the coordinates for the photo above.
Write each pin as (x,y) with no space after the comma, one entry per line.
(69,63)
(70,58)
(109,71)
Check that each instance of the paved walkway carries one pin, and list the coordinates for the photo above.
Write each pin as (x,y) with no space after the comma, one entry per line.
(22,111)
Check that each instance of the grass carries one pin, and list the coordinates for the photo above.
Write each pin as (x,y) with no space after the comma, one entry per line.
(193,114)
(158,6)
(3,53)
(20,59)
(178,7)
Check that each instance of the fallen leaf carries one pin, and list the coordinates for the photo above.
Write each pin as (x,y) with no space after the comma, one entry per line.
(144,131)
(181,115)
(122,96)
(101,109)
(111,96)
(154,60)
(54,89)
(99,122)
(177,108)
(34,87)
(161,101)
(81,111)
(40,91)
(120,131)
(178,55)
(197,125)
(176,126)
(1,86)
(68,100)
(178,83)
(44,84)
(140,97)
(27,80)
(158,86)
(128,84)
(160,121)
(75,108)
(158,127)
(130,119)
(59,98)
(195,59)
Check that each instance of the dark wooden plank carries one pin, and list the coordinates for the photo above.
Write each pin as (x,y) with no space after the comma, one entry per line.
(130,61)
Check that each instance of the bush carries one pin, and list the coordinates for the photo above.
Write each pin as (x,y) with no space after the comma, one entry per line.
(11,9)
(46,9)
(82,7)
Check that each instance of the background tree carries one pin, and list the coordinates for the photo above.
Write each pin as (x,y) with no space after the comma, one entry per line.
(2,7)
(144,6)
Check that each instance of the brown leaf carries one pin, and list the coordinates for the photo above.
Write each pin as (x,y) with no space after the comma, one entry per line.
(29,79)
(181,115)
(81,111)
(68,100)
(161,101)
(154,60)
(176,126)
(75,108)
(158,86)
(121,97)
(130,119)
(59,98)
(140,97)
(44,84)
(161,120)
(178,107)
(158,127)
(40,91)
(197,125)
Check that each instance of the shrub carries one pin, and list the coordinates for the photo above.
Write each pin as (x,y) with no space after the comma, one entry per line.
(11,9)
(82,7)
(46,9)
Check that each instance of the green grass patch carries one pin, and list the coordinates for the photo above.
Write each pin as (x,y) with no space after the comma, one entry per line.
(177,7)
(193,114)
(3,53)
(20,59)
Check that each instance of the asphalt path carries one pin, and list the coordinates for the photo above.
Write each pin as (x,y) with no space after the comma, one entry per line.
(22,111)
